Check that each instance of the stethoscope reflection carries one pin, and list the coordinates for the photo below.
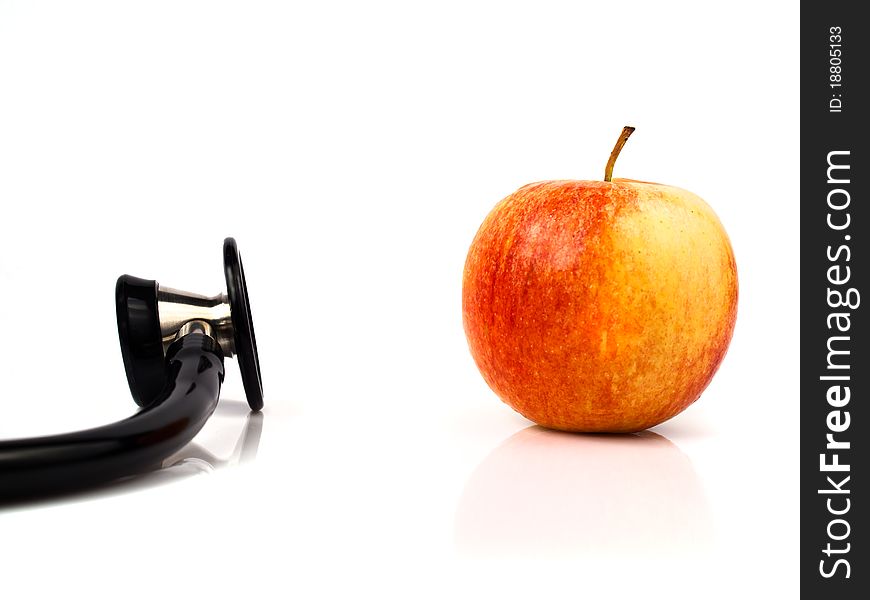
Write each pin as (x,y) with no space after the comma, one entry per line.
(546,493)
(194,458)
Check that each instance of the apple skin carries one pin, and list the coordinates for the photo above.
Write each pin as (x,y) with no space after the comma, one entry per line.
(599,306)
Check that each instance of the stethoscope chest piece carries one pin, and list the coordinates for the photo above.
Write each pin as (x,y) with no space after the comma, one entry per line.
(174,344)
(151,317)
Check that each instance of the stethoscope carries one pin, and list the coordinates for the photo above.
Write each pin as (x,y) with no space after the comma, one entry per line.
(173,344)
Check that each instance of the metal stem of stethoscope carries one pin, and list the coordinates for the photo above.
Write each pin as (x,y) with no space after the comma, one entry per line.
(173,345)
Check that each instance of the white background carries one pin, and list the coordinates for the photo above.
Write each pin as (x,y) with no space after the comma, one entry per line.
(353,149)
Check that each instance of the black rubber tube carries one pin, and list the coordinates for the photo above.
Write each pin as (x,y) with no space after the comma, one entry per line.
(73,461)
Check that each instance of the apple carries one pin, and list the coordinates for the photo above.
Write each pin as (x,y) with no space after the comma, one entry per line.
(599,306)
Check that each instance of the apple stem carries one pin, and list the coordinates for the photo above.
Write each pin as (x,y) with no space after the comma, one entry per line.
(623,137)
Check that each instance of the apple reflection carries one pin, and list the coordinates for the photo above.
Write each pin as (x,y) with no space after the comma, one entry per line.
(544,492)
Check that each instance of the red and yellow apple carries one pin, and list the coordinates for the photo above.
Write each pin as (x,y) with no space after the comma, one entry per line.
(599,305)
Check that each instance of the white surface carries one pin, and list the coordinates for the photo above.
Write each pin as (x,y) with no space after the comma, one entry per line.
(353,149)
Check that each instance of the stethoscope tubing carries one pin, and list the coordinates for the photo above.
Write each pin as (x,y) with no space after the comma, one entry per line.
(72,461)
